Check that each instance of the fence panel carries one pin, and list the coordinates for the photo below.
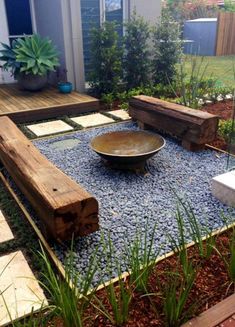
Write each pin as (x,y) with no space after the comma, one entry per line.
(225,44)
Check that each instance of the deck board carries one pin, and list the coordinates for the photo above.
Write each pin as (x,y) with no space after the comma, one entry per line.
(215,315)
(24,106)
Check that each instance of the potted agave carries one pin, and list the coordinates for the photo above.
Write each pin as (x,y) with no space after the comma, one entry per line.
(30,59)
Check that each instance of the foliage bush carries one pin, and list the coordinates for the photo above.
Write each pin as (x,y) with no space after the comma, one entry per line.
(106,56)
(182,10)
(226,129)
(108,100)
(229,6)
(167,50)
(136,61)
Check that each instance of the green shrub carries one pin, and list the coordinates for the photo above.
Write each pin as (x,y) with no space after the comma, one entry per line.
(167,50)
(136,52)
(105,59)
(164,91)
(226,129)
(108,99)
(124,106)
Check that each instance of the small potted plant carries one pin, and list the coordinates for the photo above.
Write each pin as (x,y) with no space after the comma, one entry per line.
(63,85)
(30,59)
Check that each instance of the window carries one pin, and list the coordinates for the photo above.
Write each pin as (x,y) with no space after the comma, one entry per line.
(92,15)
(113,5)
(18,18)
(114,12)
(90,12)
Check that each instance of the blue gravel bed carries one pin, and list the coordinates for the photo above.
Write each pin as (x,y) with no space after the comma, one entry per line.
(127,199)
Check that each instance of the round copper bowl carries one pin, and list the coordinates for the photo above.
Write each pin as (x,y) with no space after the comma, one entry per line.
(127,149)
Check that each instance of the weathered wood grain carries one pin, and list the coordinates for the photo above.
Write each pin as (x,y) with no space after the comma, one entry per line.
(193,127)
(62,205)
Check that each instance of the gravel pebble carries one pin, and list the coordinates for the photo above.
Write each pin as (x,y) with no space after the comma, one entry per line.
(128,200)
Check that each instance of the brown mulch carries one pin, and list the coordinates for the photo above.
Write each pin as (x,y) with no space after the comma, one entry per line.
(211,286)
(223,109)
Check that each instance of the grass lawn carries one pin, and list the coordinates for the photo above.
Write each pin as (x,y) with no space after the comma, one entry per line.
(219,67)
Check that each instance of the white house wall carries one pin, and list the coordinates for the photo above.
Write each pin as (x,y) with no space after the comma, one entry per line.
(49,22)
(149,9)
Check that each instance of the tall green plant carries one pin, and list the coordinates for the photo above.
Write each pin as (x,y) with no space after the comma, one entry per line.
(106,57)
(119,295)
(197,231)
(167,49)
(141,258)
(192,86)
(177,287)
(136,60)
(70,296)
(175,293)
(228,258)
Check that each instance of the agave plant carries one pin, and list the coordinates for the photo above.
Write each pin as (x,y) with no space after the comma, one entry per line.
(8,55)
(30,55)
(36,55)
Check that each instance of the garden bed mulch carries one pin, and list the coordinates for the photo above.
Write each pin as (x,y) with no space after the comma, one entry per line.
(223,109)
(211,286)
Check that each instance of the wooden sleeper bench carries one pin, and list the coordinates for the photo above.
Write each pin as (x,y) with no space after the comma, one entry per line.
(194,127)
(64,207)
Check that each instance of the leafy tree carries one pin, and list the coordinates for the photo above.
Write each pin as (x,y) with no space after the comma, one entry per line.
(167,49)
(106,57)
(136,59)
(182,10)
(229,5)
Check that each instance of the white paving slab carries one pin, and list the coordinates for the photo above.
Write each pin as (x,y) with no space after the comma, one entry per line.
(223,188)
(48,128)
(22,290)
(5,231)
(92,120)
(121,114)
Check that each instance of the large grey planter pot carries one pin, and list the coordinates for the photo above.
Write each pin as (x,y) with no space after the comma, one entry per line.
(31,82)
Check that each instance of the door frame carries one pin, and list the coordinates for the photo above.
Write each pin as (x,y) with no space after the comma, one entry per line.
(5,77)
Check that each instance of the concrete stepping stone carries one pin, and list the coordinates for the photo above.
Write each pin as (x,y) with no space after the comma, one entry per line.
(223,188)
(48,128)
(19,287)
(65,144)
(5,231)
(121,114)
(92,120)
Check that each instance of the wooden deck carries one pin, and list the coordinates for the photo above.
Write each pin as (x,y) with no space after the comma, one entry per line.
(215,316)
(24,106)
